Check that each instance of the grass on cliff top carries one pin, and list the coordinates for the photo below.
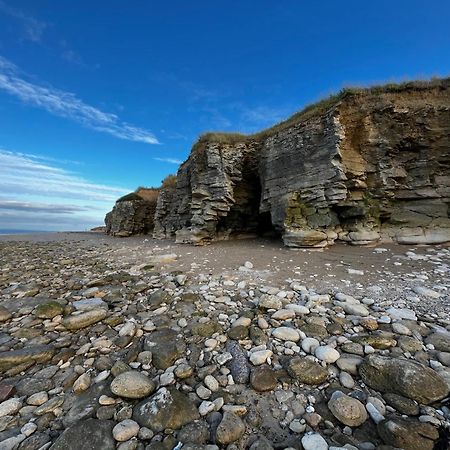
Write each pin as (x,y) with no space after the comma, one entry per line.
(170,182)
(129,197)
(141,193)
(324,105)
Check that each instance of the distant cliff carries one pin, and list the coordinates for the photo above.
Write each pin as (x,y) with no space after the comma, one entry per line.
(363,164)
(133,214)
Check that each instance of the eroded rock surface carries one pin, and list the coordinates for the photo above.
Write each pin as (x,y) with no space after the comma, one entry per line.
(374,163)
(132,214)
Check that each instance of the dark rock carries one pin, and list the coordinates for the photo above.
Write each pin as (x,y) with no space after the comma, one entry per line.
(230,429)
(402,404)
(6,390)
(408,434)
(403,377)
(306,371)
(86,404)
(165,346)
(239,332)
(206,329)
(29,354)
(441,341)
(34,442)
(263,379)
(48,310)
(29,386)
(261,444)
(5,314)
(239,367)
(159,297)
(194,433)
(90,434)
(314,330)
(168,408)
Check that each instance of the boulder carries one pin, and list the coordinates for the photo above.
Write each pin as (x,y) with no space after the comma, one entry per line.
(407,434)
(403,377)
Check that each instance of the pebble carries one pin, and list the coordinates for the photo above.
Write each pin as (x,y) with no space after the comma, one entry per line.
(286,334)
(314,442)
(327,354)
(100,330)
(125,430)
(10,407)
(211,383)
(309,345)
(81,383)
(260,357)
(132,384)
(37,399)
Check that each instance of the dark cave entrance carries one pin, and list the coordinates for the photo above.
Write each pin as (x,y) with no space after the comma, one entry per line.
(244,218)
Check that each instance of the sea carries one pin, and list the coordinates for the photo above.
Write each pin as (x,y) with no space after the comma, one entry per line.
(11,231)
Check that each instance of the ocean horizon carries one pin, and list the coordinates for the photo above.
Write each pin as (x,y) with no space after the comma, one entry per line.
(13,231)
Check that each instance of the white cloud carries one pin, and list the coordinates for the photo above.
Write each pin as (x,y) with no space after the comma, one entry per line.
(67,105)
(35,192)
(33,28)
(169,160)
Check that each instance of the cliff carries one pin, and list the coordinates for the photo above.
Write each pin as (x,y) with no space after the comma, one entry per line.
(365,164)
(133,213)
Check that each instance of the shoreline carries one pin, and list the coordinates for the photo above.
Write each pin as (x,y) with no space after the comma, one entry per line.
(245,340)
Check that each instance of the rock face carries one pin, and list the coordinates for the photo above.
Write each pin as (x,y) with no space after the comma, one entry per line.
(365,164)
(132,214)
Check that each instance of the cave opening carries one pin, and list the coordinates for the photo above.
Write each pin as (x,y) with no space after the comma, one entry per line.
(245,219)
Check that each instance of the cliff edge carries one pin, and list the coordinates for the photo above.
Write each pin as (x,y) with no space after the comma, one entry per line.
(133,213)
(365,164)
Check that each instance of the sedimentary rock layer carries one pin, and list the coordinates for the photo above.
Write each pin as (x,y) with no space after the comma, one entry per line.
(368,164)
(132,214)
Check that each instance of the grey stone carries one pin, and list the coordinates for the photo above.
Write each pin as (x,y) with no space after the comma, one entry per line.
(168,408)
(404,377)
(90,434)
(166,347)
(132,384)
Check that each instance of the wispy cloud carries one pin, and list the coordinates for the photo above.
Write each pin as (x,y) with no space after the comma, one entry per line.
(67,105)
(36,194)
(26,174)
(37,207)
(169,160)
(33,28)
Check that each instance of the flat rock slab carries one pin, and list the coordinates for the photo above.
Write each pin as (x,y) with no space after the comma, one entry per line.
(403,377)
(90,434)
(83,320)
(34,353)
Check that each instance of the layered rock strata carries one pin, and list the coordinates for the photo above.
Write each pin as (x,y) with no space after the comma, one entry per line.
(366,165)
(132,214)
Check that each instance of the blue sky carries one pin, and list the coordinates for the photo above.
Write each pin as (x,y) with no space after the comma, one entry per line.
(97,98)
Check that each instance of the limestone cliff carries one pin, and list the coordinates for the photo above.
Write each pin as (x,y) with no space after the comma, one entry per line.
(364,164)
(133,213)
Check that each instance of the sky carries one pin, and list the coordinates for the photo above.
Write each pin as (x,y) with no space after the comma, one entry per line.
(98,98)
